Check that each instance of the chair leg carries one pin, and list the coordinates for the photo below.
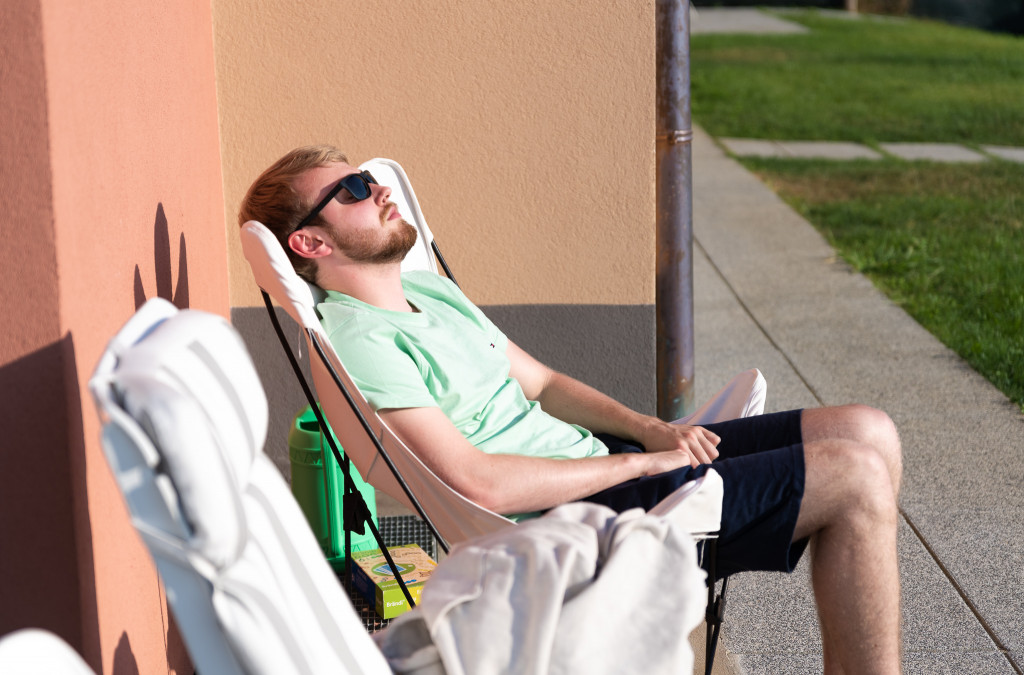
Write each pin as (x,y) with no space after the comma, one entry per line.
(715,612)
(714,617)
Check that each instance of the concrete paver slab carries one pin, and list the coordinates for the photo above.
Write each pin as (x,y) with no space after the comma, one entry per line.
(739,20)
(950,663)
(829,150)
(982,551)
(1012,154)
(840,150)
(747,147)
(956,663)
(937,152)
(727,341)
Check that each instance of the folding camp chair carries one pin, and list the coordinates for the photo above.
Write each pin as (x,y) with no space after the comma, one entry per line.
(380,456)
(184,421)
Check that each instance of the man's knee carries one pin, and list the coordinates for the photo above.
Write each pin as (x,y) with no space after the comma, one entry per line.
(871,502)
(848,483)
(881,434)
(863,467)
(861,424)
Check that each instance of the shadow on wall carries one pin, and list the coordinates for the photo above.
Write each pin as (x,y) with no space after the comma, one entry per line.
(284,395)
(124,659)
(162,265)
(46,576)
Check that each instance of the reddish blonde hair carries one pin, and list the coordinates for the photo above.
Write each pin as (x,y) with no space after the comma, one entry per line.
(273,200)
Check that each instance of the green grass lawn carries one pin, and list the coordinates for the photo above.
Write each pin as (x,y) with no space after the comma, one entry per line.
(870,80)
(946,242)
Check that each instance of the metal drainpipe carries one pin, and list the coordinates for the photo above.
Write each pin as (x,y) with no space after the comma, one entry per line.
(674,290)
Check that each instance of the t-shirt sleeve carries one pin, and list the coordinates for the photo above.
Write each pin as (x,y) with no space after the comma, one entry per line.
(380,364)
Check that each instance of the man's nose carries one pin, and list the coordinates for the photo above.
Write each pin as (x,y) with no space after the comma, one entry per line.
(383,193)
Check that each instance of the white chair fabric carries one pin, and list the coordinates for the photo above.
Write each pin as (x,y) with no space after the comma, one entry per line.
(455,517)
(33,651)
(184,421)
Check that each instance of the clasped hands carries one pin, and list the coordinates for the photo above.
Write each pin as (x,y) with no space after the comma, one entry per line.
(699,445)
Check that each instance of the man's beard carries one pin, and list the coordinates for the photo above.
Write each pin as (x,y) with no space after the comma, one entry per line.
(364,247)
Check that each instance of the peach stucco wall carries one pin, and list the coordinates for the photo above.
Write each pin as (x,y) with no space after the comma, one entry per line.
(112,169)
(527,128)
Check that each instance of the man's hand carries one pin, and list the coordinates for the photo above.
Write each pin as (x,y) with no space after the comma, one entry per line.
(697,442)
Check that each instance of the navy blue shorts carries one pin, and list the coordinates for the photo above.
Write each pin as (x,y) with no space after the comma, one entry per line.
(761,461)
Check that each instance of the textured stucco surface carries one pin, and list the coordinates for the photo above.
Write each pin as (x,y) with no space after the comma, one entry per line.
(526,128)
(31,355)
(111,162)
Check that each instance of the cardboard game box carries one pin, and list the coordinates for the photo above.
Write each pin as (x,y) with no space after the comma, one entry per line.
(375,580)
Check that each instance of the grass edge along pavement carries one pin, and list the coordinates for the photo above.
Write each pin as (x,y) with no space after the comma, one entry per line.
(944,242)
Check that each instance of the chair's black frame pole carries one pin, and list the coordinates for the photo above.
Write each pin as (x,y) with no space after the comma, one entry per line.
(444,265)
(714,613)
(356,513)
(356,501)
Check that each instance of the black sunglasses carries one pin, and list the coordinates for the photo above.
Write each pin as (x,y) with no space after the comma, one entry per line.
(357,185)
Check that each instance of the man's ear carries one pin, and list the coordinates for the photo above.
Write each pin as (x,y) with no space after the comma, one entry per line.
(309,243)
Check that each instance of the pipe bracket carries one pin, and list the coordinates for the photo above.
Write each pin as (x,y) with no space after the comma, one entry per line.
(677,137)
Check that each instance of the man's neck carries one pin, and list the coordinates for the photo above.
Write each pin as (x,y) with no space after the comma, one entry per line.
(377,285)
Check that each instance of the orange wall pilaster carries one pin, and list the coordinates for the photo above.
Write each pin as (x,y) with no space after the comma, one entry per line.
(110,167)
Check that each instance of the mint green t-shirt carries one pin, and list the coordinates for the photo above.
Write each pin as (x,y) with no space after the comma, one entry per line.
(449,355)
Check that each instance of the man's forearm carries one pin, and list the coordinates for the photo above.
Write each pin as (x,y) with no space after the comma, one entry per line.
(572,401)
(521,484)
(515,483)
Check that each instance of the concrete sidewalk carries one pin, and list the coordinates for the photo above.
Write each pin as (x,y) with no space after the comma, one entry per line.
(770,293)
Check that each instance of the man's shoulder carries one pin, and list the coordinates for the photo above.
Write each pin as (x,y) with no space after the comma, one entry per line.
(426,284)
(430,281)
(341,315)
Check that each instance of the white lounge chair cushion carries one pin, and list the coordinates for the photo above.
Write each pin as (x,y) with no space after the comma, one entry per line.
(34,651)
(201,355)
(206,487)
(247,581)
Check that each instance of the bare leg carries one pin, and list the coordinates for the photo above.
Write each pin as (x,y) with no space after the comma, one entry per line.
(849,510)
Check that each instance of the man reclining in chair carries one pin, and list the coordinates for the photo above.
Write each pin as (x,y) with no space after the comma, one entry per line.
(517,437)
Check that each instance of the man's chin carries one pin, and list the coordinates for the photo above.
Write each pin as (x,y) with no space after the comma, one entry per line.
(401,243)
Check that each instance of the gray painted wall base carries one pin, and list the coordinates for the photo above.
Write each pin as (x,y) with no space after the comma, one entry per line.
(609,347)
